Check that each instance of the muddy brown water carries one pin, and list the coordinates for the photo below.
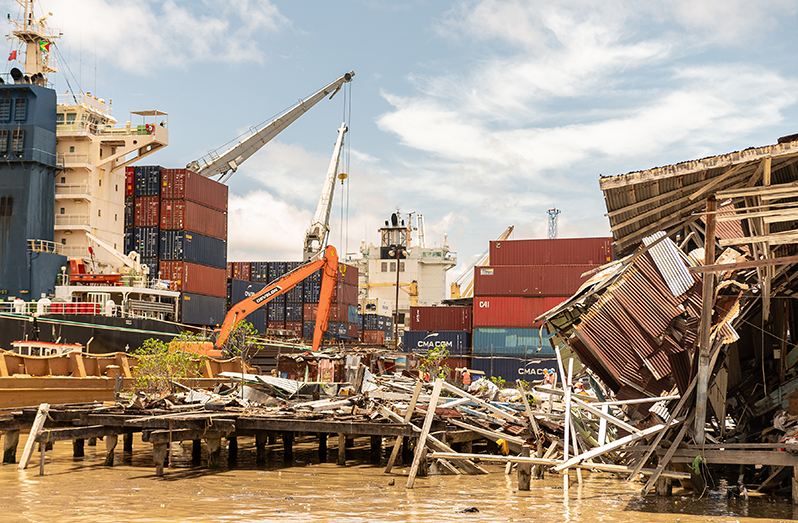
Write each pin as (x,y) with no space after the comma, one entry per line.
(83,490)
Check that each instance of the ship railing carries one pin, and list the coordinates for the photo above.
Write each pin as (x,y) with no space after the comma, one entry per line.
(72,219)
(98,104)
(61,188)
(79,158)
(45,246)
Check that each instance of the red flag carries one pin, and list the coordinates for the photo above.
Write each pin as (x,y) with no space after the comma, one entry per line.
(13,55)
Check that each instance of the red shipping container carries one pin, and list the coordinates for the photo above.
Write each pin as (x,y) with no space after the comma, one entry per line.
(339,312)
(559,251)
(373,337)
(295,326)
(510,311)
(182,184)
(130,180)
(309,311)
(241,271)
(275,325)
(147,211)
(440,319)
(194,278)
(349,273)
(345,294)
(529,280)
(351,330)
(229,269)
(182,215)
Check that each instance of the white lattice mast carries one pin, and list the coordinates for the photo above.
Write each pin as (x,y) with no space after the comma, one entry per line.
(553,212)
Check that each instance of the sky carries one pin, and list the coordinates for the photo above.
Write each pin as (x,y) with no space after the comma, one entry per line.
(476,114)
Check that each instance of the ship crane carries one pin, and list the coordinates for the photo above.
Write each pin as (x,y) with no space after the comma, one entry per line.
(225,164)
(316,235)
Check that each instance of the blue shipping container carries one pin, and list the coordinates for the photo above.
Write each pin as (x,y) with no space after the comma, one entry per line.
(276,269)
(352,314)
(147,180)
(276,311)
(146,241)
(505,341)
(336,329)
(312,292)
(197,309)
(193,248)
(293,312)
(420,342)
(512,369)
(241,290)
(307,329)
(296,294)
(152,263)
(315,277)
(130,242)
(130,212)
(259,272)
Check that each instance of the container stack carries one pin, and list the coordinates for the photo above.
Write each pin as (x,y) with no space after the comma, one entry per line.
(525,279)
(375,329)
(441,327)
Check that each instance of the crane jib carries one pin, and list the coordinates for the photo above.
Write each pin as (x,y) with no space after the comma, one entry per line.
(266,295)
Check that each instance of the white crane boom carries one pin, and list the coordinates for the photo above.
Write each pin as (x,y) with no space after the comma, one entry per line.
(214,164)
(132,260)
(316,235)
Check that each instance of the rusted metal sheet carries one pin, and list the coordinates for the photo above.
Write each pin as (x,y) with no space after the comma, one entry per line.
(558,251)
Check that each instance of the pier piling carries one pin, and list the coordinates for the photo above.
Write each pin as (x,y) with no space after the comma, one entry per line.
(10,443)
(322,447)
(110,444)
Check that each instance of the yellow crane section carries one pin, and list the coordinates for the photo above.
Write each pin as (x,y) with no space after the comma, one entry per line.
(468,274)
(410,288)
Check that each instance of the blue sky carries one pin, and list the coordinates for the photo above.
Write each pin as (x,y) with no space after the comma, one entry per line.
(477,114)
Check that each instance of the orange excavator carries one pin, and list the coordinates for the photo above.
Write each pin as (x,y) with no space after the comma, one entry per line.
(328,262)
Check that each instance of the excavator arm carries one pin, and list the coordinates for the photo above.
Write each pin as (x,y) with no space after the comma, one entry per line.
(214,164)
(329,264)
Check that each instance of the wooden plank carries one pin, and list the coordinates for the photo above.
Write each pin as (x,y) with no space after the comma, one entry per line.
(723,267)
(667,458)
(499,412)
(738,457)
(778,238)
(333,427)
(615,421)
(717,180)
(764,192)
(422,439)
(514,442)
(410,409)
(166,436)
(38,424)
(608,447)
(69,434)
(707,303)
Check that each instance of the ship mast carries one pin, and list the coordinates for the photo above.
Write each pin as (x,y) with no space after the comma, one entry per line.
(37,37)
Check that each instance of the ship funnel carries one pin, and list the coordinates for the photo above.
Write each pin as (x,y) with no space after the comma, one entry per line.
(16,74)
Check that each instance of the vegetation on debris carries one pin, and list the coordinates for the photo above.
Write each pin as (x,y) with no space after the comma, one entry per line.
(433,363)
(159,367)
(241,340)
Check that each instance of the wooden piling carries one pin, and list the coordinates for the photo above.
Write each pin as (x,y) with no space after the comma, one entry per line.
(92,442)
(272,437)
(38,424)
(342,449)
(196,451)
(260,447)
(214,452)
(400,441)
(127,442)
(524,469)
(232,451)
(110,444)
(795,485)
(77,448)
(10,443)
(288,447)
(159,451)
(376,449)
(322,447)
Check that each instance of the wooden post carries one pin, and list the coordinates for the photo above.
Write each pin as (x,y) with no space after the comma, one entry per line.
(567,385)
(127,442)
(407,451)
(92,442)
(110,445)
(467,447)
(664,486)
(322,447)
(795,485)
(410,409)
(288,447)
(10,443)
(260,448)
(341,449)
(214,452)
(158,456)
(272,437)
(42,450)
(38,423)
(77,448)
(422,439)
(536,470)
(707,301)
(524,469)
(196,451)
(423,466)
(376,448)
(232,451)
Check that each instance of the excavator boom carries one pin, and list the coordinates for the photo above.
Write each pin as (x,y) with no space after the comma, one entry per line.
(329,264)
(215,164)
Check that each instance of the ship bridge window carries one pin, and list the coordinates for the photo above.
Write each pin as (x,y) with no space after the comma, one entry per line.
(4,143)
(59,118)
(20,108)
(70,117)
(5,109)
(17,141)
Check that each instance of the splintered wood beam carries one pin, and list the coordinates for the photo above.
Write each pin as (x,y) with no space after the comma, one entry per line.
(770,215)
(422,439)
(716,181)
(771,192)
(779,238)
(398,444)
(618,443)
(723,267)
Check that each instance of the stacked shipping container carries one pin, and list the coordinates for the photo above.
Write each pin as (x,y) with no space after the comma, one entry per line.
(525,279)
(375,329)
(447,328)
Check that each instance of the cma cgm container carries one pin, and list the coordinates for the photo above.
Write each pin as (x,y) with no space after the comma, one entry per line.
(512,369)
(194,278)
(501,341)
(511,311)
(420,342)
(240,290)
(193,248)
(147,211)
(146,241)
(440,318)
(559,251)
(183,215)
(197,309)
(529,280)
(147,180)
(182,184)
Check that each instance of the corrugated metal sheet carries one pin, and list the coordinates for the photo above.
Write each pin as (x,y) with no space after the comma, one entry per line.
(509,311)
(440,318)
(147,211)
(193,278)
(183,215)
(182,184)
(511,369)
(420,342)
(196,309)
(668,260)
(558,251)
(193,248)
(529,280)
(505,341)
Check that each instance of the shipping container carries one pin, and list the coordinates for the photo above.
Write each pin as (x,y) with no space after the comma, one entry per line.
(511,369)
(129,242)
(146,241)
(275,311)
(182,215)
(455,364)
(512,311)
(197,309)
(343,293)
(336,329)
(293,311)
(240,290)
(240,270)
(153,265)
(373,337)
(258,320)
(309,311)
(280,325)
(130,182)
(295,294)
(295,326)
(339,312)
(529,280)
(147,180)
(352,316)
(312,292)
(420,342)
(506,341)
(440,318)
(130,212)
(147,211)
(229,270)
(193,248)
(182,184)
(276,270)
(314,277)
(308,328)
(352,331)
(348,274)
(558,251)
(194,278)
(259,271)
